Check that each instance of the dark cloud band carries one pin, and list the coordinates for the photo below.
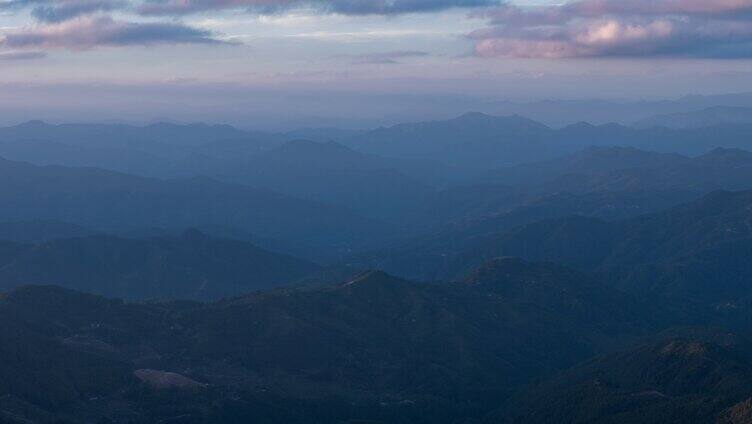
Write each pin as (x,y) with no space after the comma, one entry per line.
(58,10)
(62,11)
(347,7)
(91,32)
(85,24)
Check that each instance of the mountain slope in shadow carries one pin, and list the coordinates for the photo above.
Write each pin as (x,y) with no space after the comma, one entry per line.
(189,266)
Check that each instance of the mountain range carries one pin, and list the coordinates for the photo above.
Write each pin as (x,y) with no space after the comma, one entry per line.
(693,253)
(107,201)
(479,141)
(471,142)
(677,379)
(190,266)
(371,348)
(709,117)
(605,183)
(480,269)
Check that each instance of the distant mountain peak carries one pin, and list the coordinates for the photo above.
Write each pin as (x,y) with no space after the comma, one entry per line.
(475,115)
(35,123)
(480,117)
(581,125)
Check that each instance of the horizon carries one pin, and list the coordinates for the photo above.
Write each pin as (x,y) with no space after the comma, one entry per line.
(550,112)
(353,63)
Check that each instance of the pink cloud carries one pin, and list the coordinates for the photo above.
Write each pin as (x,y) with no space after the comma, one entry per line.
(94,31)
(657,7)
(603,28)
(346,7)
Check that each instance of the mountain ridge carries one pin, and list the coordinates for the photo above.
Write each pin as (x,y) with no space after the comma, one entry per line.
(189,266)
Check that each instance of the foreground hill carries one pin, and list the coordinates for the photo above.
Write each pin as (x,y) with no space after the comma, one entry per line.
(190,266)
(372,348)
(678,380)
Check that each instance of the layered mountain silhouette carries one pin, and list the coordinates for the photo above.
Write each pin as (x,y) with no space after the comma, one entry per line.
(477,140)
(190,266)
(630,169)
(374,347)
(709,117)
(473,138)
(471,142)
(114,202)
(674,380)
(329,172)
(605,183)
(481,269)
(145,150)
(40,231)
(439,253)
(696,252)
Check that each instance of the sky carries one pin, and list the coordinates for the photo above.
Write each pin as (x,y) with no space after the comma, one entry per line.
(277,63)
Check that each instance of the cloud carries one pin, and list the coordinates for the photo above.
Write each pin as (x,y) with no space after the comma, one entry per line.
(88,24)
(96,31)
(659,7)
(14,56)
(386,58)
(345,7)
(624,28)
(61,10)
(67,9)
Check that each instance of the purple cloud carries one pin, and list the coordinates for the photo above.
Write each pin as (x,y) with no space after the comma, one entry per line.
(87,24)
(346,7)
(658,7)
(625,28)
(90,32)
(63,10)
